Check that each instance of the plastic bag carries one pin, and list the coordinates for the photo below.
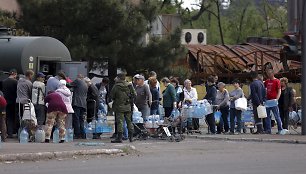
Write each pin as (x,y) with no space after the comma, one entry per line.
(217,117)
(241,104)
(261,111)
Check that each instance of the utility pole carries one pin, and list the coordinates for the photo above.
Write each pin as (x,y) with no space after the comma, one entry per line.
(303,32)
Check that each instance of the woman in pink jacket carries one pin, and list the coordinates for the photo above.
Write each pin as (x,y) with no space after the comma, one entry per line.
(66,95)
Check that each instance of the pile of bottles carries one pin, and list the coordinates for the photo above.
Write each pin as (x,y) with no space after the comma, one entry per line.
(153,121)
(97,126)
(137,117)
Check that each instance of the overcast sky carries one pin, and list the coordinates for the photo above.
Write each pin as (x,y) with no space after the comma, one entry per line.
(188,3)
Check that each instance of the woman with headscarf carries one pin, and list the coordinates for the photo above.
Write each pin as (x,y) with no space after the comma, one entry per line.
(66,95)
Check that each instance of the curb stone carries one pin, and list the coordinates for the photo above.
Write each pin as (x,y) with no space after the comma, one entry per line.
(249,139)
(53,155)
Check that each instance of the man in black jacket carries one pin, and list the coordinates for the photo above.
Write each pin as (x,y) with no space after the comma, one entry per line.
(92,100)
(211,93)
(258,95)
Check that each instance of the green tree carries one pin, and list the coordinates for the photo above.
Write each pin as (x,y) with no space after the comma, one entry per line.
(95,30)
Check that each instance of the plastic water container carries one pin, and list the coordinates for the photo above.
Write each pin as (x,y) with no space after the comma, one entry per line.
(89,132)
(56,136)
(24,136)
(40,135)
(94,125)
(69,135)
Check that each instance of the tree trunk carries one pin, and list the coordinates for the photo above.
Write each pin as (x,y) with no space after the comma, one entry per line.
(219,22)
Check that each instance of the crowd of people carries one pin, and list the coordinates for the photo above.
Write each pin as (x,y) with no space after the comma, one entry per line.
(60,102)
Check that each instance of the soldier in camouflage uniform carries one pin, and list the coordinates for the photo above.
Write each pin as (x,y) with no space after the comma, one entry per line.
(122,95)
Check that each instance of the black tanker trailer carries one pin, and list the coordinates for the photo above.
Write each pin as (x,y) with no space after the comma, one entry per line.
(40,54)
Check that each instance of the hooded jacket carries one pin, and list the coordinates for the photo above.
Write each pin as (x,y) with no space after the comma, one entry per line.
(66,95)
(122,95)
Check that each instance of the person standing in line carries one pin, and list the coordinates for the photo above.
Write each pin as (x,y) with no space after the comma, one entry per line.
(179,91)
(53,82)
(121,94)
(190,97)
(258,95)
(56,112)
(103,94)
(9,87)
(143,97)
(155,96)
(222,102)
(79,105)
(3,128)
(66,95)
(169,97)
(235,113)
(211,93)
(273,87)
(285,102)
(92,100)
(38,95)
(24,90)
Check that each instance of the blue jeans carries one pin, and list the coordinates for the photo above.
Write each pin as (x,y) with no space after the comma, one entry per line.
(275,111)
(125,130)
(78,121)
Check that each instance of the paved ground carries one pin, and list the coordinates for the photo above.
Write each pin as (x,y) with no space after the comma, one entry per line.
(188,156)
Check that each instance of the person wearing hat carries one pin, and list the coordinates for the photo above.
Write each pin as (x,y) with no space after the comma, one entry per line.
(9,89)
(144,97)
(38,95)
(122,95)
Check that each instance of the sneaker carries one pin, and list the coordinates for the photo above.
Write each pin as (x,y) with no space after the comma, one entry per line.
(124,138)
(62,141)
(47,140)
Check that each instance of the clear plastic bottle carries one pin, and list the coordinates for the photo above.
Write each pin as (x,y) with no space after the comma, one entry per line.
(100,124)
(89,132)
(69,135)
(24,136)
(40,135)
(56,136)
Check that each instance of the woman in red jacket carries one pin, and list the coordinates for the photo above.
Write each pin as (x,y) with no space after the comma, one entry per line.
(56,111)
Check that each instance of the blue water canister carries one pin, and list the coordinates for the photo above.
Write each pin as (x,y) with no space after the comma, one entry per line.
(24,136)
(100,124)
(89,132)
(56,136)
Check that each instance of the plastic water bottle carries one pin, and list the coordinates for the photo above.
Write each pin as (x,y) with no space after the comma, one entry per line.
(69,135)
(94,125)
(40,135)
(24,136)
(56,136)
(89,132)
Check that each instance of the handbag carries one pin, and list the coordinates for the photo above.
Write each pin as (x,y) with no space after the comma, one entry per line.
(241,104)
(29,112)
(261,111)
(3,102)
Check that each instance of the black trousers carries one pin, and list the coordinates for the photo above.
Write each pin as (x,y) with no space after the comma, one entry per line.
(224,123)
(168,111)
(210,119)
(12,119)
(284,115)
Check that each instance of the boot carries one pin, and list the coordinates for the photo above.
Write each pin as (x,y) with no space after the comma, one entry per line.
(114,135)
(118,139)
(131,136)
(259,129)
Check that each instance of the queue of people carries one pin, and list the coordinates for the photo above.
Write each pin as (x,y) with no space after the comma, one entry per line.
(64,104)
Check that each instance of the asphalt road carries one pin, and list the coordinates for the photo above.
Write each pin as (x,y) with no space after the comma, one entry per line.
(189,156)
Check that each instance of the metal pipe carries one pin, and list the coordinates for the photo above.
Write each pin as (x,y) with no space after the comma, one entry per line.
(304,70)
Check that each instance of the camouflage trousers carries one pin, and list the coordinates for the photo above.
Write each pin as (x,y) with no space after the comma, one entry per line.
(120,120)
(59,118)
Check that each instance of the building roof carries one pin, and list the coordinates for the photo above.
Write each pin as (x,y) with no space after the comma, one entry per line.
(233,59)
